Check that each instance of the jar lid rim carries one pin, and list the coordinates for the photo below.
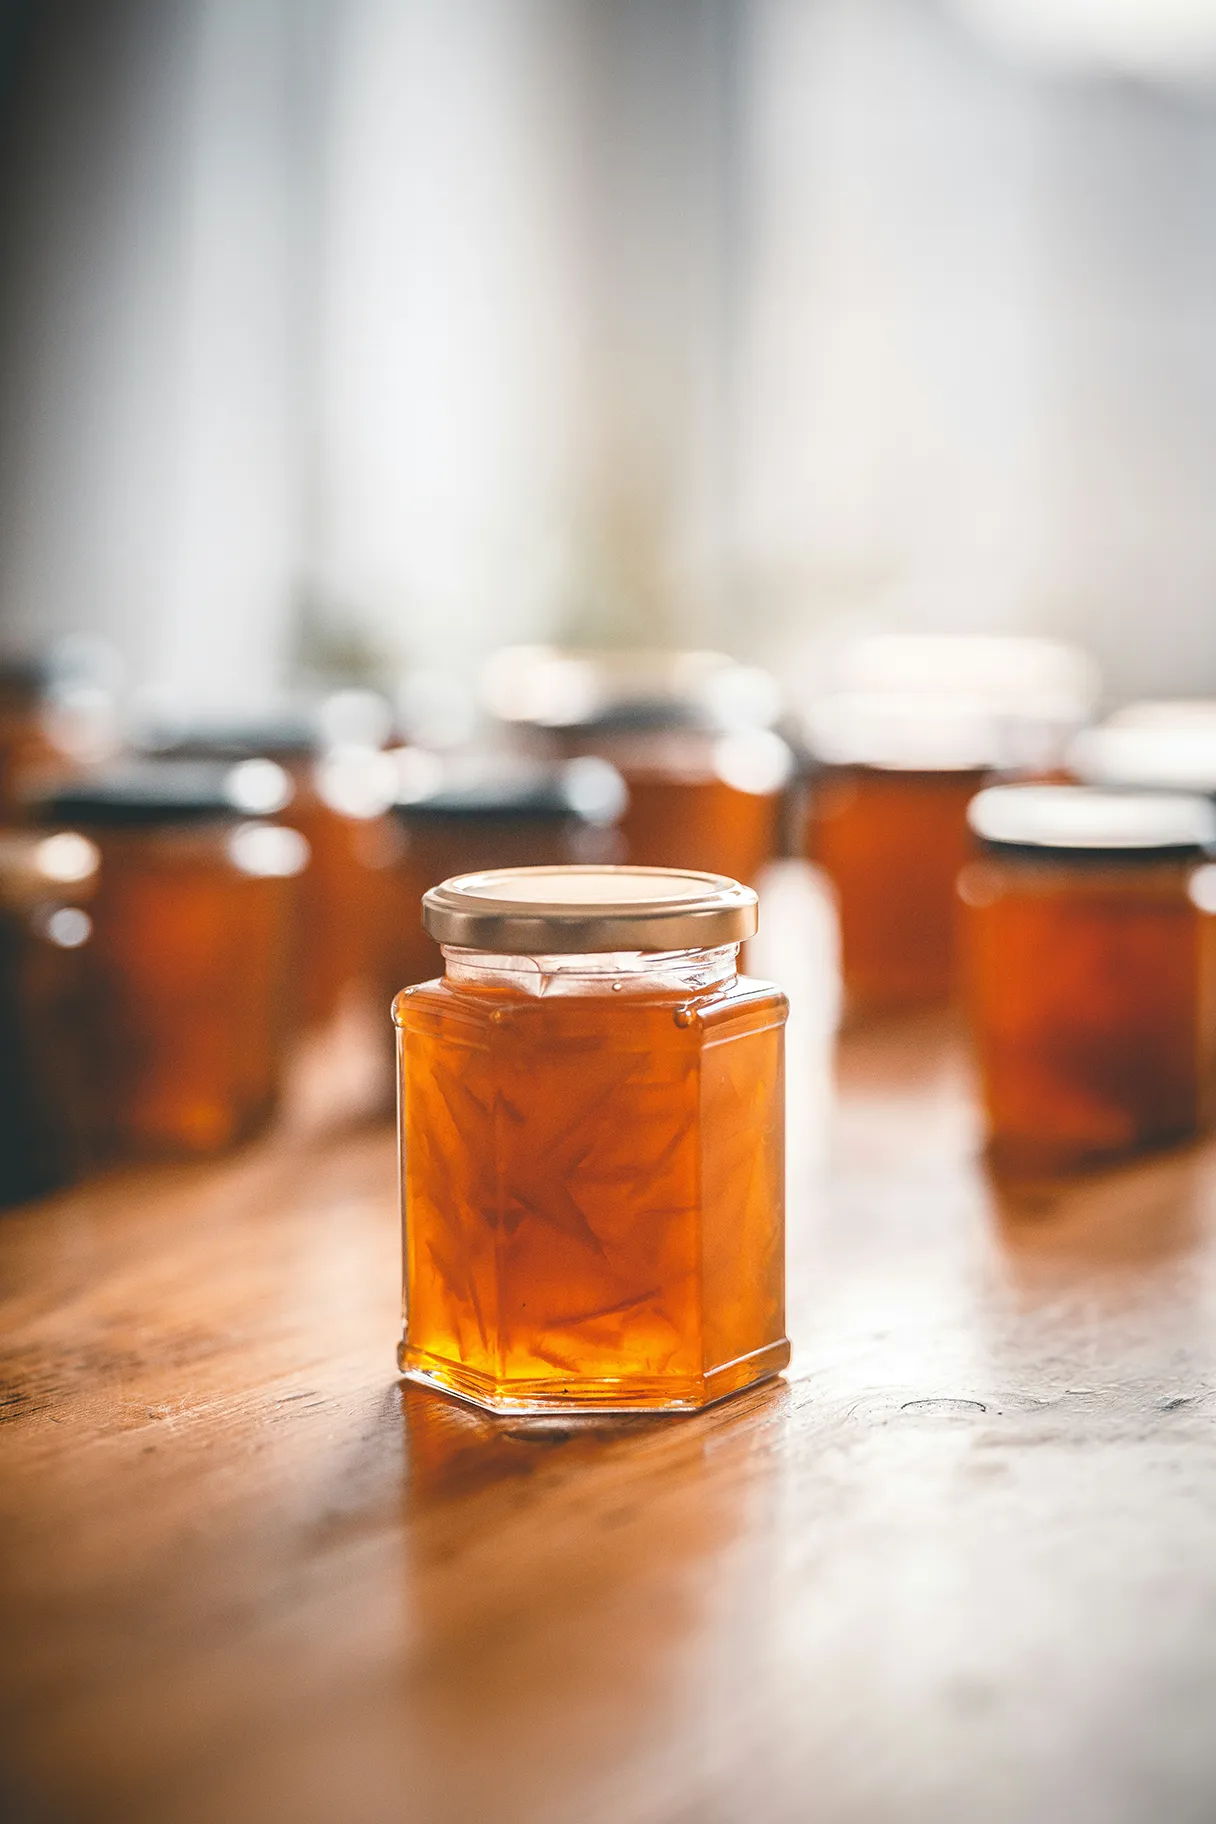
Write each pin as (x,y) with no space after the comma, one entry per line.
(146,792)
(570,909)
(1085,820)
(1160,756)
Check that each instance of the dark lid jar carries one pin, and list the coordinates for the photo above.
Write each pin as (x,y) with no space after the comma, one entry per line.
(689,733)
(341,786)
(486,812)
(47,884)
(289,738)
(1090,932)
(190,948)
(626,689)
(700,799)
(592,1114)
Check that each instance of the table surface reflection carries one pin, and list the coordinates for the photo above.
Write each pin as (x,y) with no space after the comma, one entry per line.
(958,1564)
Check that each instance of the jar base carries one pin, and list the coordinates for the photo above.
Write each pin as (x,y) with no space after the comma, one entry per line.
(636,1394)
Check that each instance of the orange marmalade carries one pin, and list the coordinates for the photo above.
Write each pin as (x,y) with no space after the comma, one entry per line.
(892,843)
(1092,964)
(902,733)
(187,964)
(592,1145)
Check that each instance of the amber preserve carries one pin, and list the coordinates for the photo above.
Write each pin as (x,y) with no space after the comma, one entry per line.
(1091,944)
(182,1028)
(592,1125)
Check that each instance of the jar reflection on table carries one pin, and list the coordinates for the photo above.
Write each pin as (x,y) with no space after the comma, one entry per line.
(47,882)
(485,811)
(689,733)
(190,954)
(592,1168)
(1091,937)
(908,731)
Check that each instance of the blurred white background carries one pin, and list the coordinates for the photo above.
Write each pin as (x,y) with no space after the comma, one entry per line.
(373,333)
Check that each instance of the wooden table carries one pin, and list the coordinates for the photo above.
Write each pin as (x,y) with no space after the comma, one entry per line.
(959,1564)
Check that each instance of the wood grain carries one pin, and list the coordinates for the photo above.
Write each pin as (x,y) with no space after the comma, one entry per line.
(958,1564)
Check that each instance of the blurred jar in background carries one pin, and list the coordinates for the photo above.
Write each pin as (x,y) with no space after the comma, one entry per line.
(905,732)
(436,709)
(698,800)
(190,954)
(46,884)
(341,785)
(24,744)
(342,807)
(688,731)
(459,816)
(58,714)
(1090,921)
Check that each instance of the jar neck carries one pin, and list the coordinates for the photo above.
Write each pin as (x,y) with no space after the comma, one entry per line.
(614,972)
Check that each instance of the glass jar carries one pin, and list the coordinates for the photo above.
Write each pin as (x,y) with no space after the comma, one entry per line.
(481,813)
(192,926)
(592,1126)
(696,799)
(337,800)
(46,884)
(891,842)
(342,808)
(906,732)
(1092,970)
(687,731)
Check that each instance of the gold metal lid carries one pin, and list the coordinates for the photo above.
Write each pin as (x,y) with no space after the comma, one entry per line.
(573,910)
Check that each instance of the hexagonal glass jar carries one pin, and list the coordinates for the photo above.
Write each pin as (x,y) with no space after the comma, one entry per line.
(592,1128)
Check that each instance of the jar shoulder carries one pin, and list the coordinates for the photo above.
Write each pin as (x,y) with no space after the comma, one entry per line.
(744,998)
(748,1006)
